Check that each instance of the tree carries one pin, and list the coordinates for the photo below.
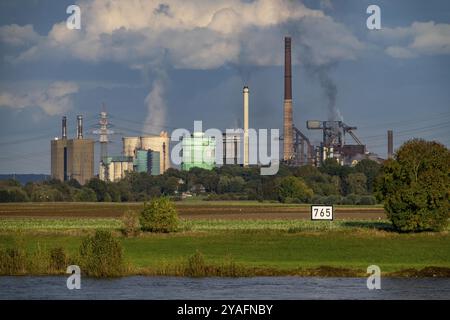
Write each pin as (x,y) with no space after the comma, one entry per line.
(100,188)
(370,169)
(160,215)
(170,185)
(415,186)
(294,188)
(85,195)
(237,184)
(13,194)
(356,183)
(223,185)
(101,255)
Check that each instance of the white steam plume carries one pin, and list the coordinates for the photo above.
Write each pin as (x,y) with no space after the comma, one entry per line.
(156,108)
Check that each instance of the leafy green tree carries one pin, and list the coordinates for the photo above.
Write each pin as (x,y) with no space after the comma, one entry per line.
(100,188)
(160,215)
(45,193)
(294,188)
(371,169)
(101,255)
(415,186)
(170,185)
(357,183)
(13,194)
(223,185)
(270,188)
(85,195)
(236,184)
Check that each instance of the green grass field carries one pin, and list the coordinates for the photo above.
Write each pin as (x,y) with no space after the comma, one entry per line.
(272,244)
(49,225)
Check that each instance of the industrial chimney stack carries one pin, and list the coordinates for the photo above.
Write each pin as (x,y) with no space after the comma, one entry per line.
(79,127)
(390,136)
(288,150)
(245,93)
(64,127)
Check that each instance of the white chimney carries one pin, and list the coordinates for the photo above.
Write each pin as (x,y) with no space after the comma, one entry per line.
(245,92)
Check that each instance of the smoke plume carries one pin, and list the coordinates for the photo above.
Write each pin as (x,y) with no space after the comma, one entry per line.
(156,107)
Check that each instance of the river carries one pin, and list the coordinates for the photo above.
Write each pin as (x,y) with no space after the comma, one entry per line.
(283,288)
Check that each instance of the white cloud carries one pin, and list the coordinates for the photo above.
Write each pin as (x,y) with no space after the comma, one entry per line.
(200,34)
(54,100)
(399,52)
(420,38)
(18,36)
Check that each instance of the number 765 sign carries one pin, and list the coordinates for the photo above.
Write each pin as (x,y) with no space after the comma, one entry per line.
(321,212)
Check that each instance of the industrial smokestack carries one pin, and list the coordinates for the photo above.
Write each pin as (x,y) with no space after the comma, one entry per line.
(245,94)
(390,151)
(288,150)
(79,127)
(64,127)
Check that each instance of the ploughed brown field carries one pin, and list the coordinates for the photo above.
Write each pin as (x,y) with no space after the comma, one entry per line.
(209,210)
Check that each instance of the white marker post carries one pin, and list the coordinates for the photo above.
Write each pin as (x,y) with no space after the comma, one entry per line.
(321,212)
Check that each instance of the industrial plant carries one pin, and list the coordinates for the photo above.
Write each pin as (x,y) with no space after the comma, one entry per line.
(74,158)
(148,154)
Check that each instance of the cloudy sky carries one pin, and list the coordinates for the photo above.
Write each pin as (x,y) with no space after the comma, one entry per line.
(161,64)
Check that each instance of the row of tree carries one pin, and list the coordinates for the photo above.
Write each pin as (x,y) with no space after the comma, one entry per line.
(328,183)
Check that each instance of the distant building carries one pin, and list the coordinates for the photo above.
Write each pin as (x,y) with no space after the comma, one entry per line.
(147,161)
(72,158)
(232,144)
(158,145)
(198,151)
(115,168)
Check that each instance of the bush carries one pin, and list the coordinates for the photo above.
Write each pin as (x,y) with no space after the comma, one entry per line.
(85,195)
(330,200)
(101,255)
(367,200)
(12,261)
(318,199)
(13,194)
(351,199)
(415,186)
(196,265)
(295,188)
(160,215)
(58,258)
(130,223)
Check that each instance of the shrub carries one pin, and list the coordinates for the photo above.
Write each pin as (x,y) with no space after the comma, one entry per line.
(356,183)
(58,258)
(13,194)
(415,186)
(333,199)
(101,255)
(293,187)
(196,265)
(130,223)
(351,199)
(85,195)
(367,200)
(12,261)
(160,215)
(318,199)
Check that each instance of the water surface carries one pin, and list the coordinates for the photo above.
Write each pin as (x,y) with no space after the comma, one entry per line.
(282,288)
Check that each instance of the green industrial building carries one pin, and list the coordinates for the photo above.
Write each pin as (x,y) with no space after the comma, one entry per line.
(198,151)
(147,161)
